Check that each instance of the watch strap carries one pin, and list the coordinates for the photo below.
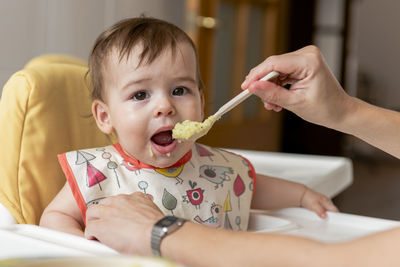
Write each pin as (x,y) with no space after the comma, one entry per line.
(161,229)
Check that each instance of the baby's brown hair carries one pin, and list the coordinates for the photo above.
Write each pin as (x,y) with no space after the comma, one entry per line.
(155,35)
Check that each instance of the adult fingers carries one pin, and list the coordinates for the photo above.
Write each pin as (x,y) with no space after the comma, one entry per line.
(295,65)
(93,212)
(269,106)
(106,207)
(94,223)
(97,211)
(272,93)
(125,200)
(256,74)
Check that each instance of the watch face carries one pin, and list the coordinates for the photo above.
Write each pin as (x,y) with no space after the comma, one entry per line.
(167,221)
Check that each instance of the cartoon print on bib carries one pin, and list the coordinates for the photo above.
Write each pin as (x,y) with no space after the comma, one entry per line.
(143,186)
(214,220)
(215,189)
(220,153)
(94,201)
(129,166)
(93,175)
(238,188)
(227,208)
(237,221)
(203,152)
(216,174)
(172,173)
(194,195)
(169,201)
(112,165)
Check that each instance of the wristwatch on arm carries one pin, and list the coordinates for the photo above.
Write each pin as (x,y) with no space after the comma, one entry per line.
(161,229)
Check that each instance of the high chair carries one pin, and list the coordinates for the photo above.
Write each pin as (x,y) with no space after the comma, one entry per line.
(45,109)
(55,58)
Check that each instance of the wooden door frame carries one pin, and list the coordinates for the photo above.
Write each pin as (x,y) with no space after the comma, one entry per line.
(274,42)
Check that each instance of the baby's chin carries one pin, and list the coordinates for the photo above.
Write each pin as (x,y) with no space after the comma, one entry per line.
(163,161)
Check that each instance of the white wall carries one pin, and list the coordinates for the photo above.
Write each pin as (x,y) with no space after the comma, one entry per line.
(329,15)
(29,28)
(379,52)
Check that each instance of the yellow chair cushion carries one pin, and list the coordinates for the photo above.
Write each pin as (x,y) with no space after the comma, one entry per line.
(44,110)
(55,58)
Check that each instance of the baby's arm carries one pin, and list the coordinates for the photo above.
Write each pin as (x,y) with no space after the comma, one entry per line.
(63,214)
(274,193)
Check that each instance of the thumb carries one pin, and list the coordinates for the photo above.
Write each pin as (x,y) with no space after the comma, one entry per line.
(272,93)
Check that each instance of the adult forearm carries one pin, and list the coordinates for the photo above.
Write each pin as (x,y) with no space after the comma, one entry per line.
(196,245)
(380,249)
(376,126)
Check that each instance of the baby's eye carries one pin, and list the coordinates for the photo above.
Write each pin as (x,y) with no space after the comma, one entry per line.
(140,96)
(179,91)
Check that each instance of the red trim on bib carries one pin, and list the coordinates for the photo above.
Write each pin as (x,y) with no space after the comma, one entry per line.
(252,174)
(62,159)
(136,164)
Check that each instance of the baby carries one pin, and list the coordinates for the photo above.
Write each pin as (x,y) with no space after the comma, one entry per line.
(146,78)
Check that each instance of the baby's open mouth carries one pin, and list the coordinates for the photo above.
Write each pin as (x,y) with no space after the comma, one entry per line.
(163,138)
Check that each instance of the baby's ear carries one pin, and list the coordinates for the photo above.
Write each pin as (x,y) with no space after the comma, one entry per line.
(102,116)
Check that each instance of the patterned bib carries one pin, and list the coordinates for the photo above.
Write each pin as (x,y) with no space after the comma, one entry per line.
(208,185)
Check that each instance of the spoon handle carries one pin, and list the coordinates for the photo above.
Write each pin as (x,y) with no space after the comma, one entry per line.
(241,97)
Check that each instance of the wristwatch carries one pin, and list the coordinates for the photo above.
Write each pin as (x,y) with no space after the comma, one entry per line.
(161,229)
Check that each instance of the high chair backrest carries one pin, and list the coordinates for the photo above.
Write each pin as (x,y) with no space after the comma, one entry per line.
(45,109)
(54,58)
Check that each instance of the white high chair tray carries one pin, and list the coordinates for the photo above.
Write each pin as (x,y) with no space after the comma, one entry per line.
(337,227)
(26,245)
(25,240)
(30,241)
(325,174)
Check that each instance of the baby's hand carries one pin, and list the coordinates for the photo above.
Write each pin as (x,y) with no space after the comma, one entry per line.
(317,202)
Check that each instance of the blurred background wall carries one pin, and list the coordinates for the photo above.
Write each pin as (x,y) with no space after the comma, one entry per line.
(359,39)
(30,28)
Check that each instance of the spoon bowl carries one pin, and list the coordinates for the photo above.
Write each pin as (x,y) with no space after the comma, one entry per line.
(193,130)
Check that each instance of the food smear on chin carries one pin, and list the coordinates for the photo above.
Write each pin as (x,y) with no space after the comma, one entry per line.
(152,155)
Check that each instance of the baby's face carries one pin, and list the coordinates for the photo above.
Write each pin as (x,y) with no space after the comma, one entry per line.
(144,103)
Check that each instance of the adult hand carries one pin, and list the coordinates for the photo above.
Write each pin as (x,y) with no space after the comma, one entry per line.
(123,222)
(315,94)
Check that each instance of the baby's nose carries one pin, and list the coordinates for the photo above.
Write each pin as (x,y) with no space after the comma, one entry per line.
(164,108)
